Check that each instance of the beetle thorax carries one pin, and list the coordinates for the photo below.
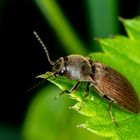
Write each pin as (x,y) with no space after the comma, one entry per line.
(74,67)
(77,67)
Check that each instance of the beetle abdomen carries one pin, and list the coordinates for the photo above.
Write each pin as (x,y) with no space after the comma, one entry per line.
(116,87)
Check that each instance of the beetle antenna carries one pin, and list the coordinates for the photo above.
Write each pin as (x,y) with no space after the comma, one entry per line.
(44,47)
(36,85)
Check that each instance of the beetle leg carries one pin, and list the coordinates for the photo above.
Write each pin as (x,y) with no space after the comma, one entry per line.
(86,95)
(74,88)
(87,90)
(110,113)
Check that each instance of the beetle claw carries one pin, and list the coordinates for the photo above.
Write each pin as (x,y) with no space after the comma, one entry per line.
(63,92)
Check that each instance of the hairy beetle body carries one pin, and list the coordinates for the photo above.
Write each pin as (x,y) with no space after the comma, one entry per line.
(74,67)
(109,83)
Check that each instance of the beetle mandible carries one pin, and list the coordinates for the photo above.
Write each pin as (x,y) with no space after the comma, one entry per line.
(109,83)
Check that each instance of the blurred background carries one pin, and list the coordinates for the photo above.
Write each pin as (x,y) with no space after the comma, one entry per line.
(66,27)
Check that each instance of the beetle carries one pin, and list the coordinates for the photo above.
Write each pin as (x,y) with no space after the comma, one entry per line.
(108,83)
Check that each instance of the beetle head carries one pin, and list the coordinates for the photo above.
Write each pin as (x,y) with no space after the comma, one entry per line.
(59,67)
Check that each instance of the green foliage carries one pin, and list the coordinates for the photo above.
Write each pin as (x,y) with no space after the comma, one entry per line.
(123,54)
(96,19)
(58,21)
(49,119)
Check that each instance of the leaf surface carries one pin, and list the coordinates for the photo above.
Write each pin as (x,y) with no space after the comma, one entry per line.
(122,54)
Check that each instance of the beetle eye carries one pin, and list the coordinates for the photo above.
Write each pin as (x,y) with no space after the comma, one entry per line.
(61,73)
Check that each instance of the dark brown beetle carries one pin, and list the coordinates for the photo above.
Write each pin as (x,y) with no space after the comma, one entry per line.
(109,83)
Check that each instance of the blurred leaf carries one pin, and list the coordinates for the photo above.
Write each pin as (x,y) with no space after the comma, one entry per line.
(61,26)
(100,25)
(122,54)
(49,119)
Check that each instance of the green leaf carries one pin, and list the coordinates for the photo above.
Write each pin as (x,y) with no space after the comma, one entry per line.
(50,119)
(122,54)
(132,27)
